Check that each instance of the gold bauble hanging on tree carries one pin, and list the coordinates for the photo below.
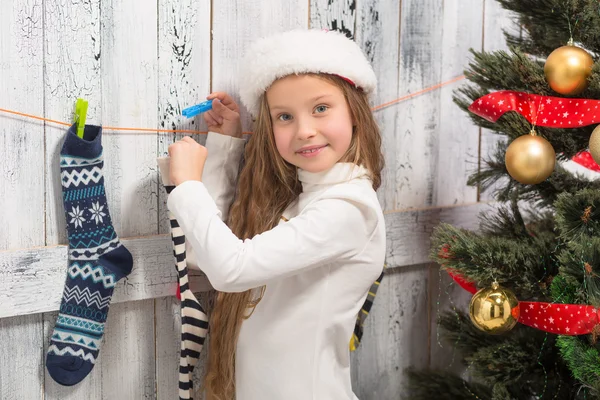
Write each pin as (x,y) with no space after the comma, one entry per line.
(595,144)
(494,310)
(568,68)
(530,159)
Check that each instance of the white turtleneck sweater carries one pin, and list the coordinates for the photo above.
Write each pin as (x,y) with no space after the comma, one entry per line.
(317,267)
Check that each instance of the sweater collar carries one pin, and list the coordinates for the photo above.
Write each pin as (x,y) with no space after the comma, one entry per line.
(340,172)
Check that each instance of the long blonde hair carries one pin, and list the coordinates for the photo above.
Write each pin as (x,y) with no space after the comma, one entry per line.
(267,186)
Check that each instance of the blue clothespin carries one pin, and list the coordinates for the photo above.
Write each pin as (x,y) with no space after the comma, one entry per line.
(80,115)
(197,109)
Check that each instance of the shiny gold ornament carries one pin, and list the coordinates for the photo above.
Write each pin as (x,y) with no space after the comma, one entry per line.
(530,159)
(568,68)
(595,144)
(494,310)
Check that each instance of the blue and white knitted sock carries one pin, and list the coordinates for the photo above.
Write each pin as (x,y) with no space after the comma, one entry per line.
(97,260)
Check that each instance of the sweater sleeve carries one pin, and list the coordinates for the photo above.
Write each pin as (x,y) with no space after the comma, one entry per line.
(220,170)
(329,229)
(219,176)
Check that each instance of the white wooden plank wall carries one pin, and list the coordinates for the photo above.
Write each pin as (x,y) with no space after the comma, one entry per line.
(22,183)
(139,66)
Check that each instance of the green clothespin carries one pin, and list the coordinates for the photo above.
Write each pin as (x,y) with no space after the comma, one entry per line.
(80,114)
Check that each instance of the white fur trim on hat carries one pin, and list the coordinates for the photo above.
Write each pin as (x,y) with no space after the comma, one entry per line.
(301,51)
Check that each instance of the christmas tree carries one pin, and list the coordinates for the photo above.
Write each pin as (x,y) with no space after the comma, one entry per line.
(542,244)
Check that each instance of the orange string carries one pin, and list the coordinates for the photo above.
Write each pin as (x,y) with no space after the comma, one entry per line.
(116,128)
(411,95)
(34,117)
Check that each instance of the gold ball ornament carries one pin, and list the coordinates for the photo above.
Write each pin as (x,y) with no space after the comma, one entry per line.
(568,68)
(530,159)
(494,310)
(595,144)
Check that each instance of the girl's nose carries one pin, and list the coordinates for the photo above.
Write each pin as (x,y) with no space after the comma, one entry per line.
(306,129)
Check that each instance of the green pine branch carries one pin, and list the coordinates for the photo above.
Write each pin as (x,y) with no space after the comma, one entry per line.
(546,24)
(583,360)
(543,194)
(522,264)
(578,214)
(440,385)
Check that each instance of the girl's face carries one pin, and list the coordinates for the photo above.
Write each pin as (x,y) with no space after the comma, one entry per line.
(311,121)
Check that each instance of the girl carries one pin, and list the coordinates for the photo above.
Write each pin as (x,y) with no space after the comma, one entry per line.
(305,236)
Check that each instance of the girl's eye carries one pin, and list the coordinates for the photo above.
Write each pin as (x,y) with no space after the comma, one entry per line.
(321,109)
(284,117)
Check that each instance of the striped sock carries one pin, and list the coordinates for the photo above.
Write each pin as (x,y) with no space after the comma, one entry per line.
(194,322)
(363,313)
(97,260)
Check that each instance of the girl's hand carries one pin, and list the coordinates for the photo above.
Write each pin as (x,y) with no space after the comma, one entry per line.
(187,160)
(224,118)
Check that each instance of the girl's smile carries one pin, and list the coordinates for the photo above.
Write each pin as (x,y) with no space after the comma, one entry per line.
(311,151)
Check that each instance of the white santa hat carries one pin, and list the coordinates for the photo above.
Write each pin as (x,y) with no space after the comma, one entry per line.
(301,51)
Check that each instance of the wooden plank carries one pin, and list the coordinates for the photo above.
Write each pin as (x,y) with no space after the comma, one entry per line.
(184,79)
(378,34)
(22,369)
(32,280)
(129,99)
(414,149)
(394,331)
(458,143)
(21,141)
(495,21)
(21,182)
(236,24)
(409,232)
(129,62)
(128,353)
(338,15)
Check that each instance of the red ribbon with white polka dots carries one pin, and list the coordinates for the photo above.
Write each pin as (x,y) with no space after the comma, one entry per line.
(547,111)
(551,112)
(585,158)
(561,319)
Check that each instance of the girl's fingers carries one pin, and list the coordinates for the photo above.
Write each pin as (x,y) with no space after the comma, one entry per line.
(210,121)
(224,112)
(224,98)
(188,139)
(215,116)
(209,117)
